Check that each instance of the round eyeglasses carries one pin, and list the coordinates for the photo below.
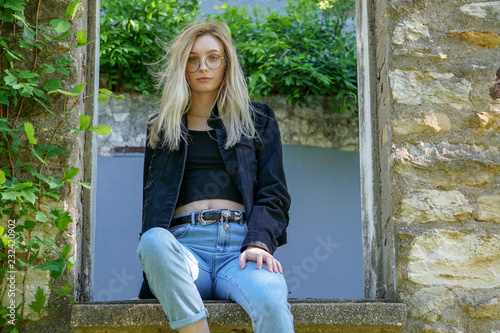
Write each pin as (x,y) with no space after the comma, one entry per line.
(212,62)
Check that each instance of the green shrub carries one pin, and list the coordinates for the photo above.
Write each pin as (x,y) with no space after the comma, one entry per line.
(131,35)
(300,51)
(303,51)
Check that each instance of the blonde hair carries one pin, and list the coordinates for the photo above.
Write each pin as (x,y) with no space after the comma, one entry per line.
(232,100)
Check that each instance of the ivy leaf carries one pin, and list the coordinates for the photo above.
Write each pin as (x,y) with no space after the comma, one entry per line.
(30,225)
(52,193)
(30,132)
(65,252)
(105,91)
(51,150)
(37,155)
(23,263)
(86,185)
(59,25)
(77,130)
(28,36)
(2,177)
(25,74)
(72,8)
(103,99)
(56,268)
(66,33)
(10,79)
(41,217)
(16,5)
(63,221)
(3,99)
(52,84)
(39,303)
(81,38)
(84,122)
(65,289)
(75,92)
(69,174)
(101,129)
(42,104)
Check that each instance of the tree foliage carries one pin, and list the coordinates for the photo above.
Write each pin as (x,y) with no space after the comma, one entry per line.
(301,50)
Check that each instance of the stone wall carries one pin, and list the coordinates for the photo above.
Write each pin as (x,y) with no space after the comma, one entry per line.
(443,65)
(72,197)
(315,124)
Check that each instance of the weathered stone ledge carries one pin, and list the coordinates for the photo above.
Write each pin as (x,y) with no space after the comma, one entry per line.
(310,315)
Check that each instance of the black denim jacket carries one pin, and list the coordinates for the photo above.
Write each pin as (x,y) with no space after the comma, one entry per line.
(256,167)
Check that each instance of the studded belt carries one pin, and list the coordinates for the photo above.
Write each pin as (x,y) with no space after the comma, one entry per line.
(209,216)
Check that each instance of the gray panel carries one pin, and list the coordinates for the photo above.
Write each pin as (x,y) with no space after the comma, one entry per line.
(323,257)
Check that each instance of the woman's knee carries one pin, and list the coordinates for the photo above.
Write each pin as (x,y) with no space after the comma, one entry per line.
(156,241)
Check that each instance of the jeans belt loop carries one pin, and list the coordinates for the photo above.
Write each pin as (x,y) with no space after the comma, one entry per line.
(193,219)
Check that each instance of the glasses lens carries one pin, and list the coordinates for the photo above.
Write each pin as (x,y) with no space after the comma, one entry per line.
(192,65)
(214,62)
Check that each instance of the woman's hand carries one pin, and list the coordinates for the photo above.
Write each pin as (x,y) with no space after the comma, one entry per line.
(259,255)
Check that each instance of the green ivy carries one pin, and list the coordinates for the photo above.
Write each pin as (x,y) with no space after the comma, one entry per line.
(300,51)
(29,163)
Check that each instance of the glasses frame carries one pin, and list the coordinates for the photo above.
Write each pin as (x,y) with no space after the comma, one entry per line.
(206,64)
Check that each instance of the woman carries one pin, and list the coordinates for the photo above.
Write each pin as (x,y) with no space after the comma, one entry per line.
(215,197)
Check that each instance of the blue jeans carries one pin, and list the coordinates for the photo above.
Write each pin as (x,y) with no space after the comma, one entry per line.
(191,262)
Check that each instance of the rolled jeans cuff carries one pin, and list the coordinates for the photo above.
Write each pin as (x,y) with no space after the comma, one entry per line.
(189,320)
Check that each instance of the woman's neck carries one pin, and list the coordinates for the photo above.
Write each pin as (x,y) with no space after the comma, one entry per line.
(201,105)
(199,112)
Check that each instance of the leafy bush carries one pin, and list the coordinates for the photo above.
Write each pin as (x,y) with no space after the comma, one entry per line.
(299,51)
(131,35)
(303,51)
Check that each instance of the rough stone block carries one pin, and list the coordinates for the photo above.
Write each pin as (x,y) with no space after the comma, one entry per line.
(483,39)
(483,10)
(433,205)
(489,208)
(487,121)
(410,31)
(487,307)
(437,122)
(417,87)
(448,164)
(452,258)
(428,302)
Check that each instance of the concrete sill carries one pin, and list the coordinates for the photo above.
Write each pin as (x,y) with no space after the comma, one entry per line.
(310,315)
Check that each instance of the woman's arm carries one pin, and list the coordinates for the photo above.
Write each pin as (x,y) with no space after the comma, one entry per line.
(269,217)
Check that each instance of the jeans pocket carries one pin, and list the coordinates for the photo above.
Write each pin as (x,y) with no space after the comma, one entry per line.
(180,231)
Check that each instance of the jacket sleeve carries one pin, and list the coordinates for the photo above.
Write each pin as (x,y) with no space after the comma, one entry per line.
(269,218)
(148,154)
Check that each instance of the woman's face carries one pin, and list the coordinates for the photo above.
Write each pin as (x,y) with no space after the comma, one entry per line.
(206,80)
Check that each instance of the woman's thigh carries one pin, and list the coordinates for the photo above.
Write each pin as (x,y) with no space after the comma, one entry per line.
(250,286)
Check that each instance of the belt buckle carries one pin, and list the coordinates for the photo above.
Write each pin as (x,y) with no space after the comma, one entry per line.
(238,216)
(202,220)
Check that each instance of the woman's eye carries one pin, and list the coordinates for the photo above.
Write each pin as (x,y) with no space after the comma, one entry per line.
(213,58)
(193,59)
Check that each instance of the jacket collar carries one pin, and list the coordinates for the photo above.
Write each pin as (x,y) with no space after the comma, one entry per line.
(214,120)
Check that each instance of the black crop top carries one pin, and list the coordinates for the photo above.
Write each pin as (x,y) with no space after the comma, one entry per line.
(205,175)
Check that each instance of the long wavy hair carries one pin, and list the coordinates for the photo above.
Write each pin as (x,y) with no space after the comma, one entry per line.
(232,100)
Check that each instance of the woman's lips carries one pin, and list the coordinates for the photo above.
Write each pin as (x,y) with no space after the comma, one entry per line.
(204,79)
